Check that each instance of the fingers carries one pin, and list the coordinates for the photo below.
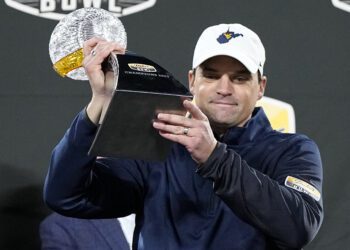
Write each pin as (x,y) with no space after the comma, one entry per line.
(195,112)
(175,120)
(94,42)
(194,133)
(90,44)
(174,133)
(104,49)
(199,141)
(182,139)
(96,50)
(173,129)
(184,121)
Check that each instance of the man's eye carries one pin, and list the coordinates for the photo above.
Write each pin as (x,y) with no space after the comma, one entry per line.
(241,78)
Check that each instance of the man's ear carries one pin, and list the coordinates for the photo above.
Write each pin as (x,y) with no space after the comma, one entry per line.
(191,77)
(262,86)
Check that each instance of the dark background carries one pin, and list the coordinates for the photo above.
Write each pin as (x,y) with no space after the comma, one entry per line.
(307,44)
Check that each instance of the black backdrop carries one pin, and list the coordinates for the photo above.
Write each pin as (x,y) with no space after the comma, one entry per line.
(308,65)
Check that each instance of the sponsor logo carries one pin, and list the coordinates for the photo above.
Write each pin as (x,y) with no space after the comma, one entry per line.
(227,36)
(303,187)
(280,114)
(57,9)
(342,4)
(142,67)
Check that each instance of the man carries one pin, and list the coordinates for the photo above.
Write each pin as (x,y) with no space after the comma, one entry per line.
(61,232)
(230,182)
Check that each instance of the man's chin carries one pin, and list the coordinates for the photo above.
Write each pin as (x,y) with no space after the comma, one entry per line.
(221,124)
(223,119)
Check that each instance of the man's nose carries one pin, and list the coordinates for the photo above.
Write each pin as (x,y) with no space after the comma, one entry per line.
(224,86)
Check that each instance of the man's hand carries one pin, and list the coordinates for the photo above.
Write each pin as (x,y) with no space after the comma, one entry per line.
(194,133)
(96,50)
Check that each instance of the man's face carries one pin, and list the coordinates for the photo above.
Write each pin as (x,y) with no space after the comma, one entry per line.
(225,91)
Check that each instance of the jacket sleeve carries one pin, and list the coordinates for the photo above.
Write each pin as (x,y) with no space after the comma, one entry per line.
(289,217)
(82,186)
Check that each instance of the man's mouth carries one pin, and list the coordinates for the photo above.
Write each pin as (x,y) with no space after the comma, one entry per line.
(224,103)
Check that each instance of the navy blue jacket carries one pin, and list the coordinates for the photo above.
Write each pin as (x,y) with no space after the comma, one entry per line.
(58,232)
(238,199)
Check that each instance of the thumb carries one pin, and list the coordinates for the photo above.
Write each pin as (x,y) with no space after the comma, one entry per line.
(195,112)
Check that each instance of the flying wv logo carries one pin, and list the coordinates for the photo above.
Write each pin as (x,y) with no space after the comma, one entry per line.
(227,36)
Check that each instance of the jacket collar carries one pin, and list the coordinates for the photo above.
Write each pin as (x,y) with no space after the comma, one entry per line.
(256,126)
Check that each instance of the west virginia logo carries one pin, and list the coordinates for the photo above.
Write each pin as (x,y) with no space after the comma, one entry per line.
(227,36)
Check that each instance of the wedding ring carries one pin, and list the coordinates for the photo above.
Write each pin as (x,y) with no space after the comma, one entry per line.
(93,52)
(185,132)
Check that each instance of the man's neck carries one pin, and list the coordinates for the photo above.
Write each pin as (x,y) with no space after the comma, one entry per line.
(219,131)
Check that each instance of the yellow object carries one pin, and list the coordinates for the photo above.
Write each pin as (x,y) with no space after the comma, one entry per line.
(303,187)
(70,62)
(280,114)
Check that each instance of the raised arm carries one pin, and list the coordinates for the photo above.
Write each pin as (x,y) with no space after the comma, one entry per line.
(80,185)
(95,52)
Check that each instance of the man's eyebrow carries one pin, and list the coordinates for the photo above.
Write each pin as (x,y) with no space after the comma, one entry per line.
(242,71)
(206,68)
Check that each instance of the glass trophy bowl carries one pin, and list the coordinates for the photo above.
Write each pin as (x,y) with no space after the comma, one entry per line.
(79,26)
